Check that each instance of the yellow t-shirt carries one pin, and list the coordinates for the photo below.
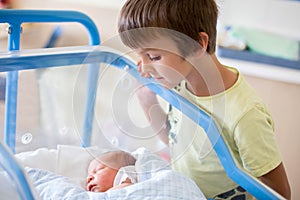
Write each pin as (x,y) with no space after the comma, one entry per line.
(246,126)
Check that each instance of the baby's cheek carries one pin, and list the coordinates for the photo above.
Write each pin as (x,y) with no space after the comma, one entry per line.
(104,183)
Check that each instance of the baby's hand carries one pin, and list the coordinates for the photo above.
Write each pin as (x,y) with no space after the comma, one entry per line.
(125,183)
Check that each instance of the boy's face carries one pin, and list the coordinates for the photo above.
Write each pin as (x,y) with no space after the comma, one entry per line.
(166,67)
(100,177)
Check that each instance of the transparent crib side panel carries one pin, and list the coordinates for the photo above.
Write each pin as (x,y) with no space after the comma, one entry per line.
(119,117)
(8,189)
(44,108)
(51,109)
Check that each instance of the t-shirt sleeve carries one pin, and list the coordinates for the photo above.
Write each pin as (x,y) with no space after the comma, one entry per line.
(255,139)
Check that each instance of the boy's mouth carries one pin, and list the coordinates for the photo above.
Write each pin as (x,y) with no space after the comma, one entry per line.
(158,78)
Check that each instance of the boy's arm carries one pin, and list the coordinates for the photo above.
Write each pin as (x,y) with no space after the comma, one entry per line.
(277,180)
(255,139)
(154,113)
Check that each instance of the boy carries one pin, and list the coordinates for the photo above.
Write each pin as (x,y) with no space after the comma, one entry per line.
(176,40)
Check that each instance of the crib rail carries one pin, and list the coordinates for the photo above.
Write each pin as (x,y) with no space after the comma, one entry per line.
(16,173)
(92,55)
(15,18)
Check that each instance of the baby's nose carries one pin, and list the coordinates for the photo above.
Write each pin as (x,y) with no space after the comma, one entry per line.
(89,178)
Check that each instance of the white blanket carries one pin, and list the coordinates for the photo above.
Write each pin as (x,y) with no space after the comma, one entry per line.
(156,180)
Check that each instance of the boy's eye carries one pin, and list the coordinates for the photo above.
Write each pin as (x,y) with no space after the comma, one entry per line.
(154,58)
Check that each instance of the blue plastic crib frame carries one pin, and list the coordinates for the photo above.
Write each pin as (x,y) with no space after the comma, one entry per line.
(92,56)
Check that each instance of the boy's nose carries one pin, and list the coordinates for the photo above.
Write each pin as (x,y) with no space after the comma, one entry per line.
(146,67)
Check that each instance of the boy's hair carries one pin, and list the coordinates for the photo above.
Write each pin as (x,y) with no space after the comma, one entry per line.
(188,17)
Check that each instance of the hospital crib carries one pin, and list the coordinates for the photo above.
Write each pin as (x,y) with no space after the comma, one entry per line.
(15,60)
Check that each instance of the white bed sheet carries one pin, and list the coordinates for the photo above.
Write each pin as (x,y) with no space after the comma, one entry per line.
(156,180)
(66,160)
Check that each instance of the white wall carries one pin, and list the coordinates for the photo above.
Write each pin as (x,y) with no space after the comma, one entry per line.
(280,16)
(102,3)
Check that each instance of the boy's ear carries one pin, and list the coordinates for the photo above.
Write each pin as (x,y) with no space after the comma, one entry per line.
(203,40)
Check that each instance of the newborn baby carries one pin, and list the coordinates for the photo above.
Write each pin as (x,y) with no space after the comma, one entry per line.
(103,170)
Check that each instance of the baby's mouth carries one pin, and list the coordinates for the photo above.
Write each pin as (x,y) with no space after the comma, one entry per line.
(92,187)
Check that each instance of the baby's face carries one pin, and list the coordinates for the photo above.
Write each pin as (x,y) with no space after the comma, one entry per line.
(100,177)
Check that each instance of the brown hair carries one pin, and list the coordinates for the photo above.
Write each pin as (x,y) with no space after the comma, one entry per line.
(188,17)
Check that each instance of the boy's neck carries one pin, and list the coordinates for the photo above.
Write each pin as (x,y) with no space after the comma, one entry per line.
(210,77)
